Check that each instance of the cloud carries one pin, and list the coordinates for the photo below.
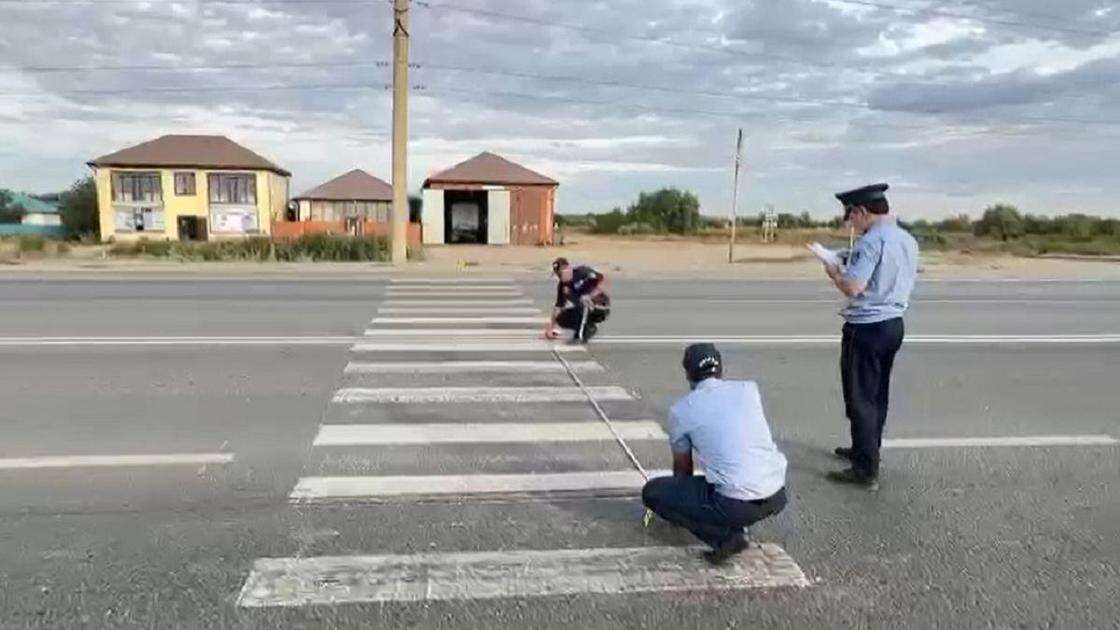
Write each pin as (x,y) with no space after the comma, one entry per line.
(951,106)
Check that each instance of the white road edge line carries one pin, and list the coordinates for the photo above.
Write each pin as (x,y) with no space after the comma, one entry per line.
(649,340)
(482,433)
(413,395)
(77,461)
(333,580)
(1026,440)
(176,341)
(469,367)
(546,346)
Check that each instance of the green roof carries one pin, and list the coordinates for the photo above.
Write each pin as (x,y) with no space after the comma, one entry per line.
(31,204)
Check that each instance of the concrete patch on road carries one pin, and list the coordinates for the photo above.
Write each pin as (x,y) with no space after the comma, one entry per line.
(408,395)
(332,580)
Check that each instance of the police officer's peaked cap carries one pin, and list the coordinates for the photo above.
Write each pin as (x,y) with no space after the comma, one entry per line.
(863,196)
(702,360)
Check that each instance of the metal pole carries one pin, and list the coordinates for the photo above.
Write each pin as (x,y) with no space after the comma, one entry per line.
(398,232)
(735,197)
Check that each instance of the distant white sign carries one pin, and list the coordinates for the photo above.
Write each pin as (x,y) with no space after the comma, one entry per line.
(234,219)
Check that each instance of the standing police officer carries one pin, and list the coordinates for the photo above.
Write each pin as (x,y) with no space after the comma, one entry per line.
(877,279)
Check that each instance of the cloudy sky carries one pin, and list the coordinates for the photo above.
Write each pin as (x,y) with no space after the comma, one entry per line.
(957,104)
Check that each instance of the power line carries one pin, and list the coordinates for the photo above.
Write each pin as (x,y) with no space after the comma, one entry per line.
(496,72)
(498,15)
(198,67)
(191,90)
(643,86)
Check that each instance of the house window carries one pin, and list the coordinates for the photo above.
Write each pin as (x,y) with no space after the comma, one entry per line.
(138,219)
(233,188)
(130,187)
(184,184)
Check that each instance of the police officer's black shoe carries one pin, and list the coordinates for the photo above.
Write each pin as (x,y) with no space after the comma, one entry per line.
(588,332)
(734,545)
(843,452)
(855,478)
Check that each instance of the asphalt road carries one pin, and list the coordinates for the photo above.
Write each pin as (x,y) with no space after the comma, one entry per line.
(1001,537)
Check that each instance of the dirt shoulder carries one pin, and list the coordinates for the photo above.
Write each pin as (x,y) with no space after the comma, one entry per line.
(634,257)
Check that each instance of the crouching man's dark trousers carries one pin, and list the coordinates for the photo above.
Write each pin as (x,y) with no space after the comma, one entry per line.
(694,504)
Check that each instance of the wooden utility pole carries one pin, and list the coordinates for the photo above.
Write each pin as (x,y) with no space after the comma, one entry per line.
(398,233)
(735,198)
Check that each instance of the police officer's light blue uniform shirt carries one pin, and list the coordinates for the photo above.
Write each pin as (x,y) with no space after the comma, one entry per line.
(886,259)
(724,423)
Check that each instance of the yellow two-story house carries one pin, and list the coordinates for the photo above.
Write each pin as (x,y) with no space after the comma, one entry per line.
(188,188)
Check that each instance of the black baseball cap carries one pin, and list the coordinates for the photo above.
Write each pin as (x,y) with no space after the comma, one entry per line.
(702,360)
(560,263)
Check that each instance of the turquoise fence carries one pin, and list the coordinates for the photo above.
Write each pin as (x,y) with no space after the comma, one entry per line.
(19,229)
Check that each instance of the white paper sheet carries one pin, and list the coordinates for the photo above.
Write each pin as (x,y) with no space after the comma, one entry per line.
(825,255)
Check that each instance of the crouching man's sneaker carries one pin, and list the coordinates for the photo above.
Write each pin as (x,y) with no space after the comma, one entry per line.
(734,545)
(854,477)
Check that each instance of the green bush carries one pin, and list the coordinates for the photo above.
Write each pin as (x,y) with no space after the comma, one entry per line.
(32,243)
(316,247)
(609,222)
(636,228)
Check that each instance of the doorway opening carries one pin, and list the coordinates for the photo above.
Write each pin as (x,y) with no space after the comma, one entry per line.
(192,228)
(465,216)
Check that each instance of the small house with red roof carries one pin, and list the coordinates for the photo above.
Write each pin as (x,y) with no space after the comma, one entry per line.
(488,200)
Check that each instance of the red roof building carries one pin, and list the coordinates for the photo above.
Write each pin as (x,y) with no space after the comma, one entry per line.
(490,200)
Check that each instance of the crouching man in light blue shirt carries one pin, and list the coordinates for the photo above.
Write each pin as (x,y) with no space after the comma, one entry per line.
(744,472)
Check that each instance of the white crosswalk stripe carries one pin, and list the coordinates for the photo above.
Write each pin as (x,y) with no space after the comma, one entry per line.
(467,333)
(482,433)
(475,347)
(481,319)
(470,367)
(414,395)
(392,486)
(453,302)
(452,281)
(451,291)
(459,310)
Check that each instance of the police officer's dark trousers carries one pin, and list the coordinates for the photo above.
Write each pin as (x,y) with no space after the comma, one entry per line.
(571,318)
(866,358)
(694,504)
